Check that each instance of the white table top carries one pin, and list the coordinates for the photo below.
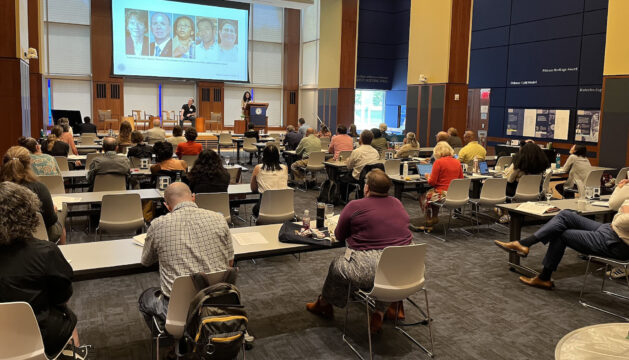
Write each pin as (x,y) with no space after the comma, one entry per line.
(83,173)
(600,342)
(97,197)
(564,204)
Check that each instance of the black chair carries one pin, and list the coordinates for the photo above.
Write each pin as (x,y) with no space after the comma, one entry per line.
(360,185)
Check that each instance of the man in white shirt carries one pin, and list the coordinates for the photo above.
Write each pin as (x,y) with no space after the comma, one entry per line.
(207,49)
(161,28)
(361,156)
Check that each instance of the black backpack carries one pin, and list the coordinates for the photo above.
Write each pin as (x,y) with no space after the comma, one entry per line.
(329,193)
(216,323)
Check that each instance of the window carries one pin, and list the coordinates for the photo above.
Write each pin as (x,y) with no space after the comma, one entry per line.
(369,109)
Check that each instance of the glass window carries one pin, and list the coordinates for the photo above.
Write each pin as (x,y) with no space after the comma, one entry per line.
(368,109)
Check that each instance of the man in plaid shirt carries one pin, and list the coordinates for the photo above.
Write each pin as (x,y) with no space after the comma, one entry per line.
(185,241)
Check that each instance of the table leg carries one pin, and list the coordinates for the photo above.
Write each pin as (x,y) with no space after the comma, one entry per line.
(398,187)
(238,152)
(515,234)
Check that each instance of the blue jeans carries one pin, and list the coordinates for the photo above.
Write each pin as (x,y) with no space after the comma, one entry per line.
(589,237)
(153,303)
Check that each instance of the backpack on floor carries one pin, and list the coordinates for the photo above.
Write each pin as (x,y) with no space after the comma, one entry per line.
(216,323)
(329,193)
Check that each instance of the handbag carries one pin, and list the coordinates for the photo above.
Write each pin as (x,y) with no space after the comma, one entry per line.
(288,235)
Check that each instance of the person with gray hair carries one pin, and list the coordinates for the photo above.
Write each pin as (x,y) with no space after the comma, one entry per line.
(292,138)
(35,271)
(109,163)
(155,134)
(185,241)
(188,112)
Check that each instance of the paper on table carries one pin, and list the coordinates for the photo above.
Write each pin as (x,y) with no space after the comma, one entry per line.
(75,157)
(534,207)
(139,239)
(601,203)
(249,238)
(59,200)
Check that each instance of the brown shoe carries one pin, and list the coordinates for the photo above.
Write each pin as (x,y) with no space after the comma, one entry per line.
(325,311)
(390,314)
(513,246)
(375,323)
(537,282)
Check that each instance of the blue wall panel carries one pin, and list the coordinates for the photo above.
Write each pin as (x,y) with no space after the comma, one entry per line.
(488,67)
(546,63)
(529,10)
(547,29)
(490,38)
(490,14)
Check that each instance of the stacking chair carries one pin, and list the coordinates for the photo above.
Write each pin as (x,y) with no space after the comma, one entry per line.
(494,192)
(40,231)
(181,296)
(325,144)
(90,158)
(234,174)
(609,263)
(135,162)
(594,178)
(345,154)
(504,161)
(20,337)
(218,202)
(360,184)
(190,159)
(120,214)
(528,189)
(276,207)
(249,147)
(54,183)
(399,275)
(622,175)
(110,182)
(315,164)
(215,121)
(545,184)
(62,161)
(88,139)
(392,167)
(276,136)
(225,140)
(458,196)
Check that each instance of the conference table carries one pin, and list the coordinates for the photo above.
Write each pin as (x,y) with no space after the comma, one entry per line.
(518,217)
(108,258)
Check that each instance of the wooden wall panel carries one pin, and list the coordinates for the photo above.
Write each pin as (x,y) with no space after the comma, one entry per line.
(213,101)
(7,29)
(455,110)
(10,102)
(459,41)
(292,29)
(348,44)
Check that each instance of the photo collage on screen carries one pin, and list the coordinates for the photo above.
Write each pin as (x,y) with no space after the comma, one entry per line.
(159,34)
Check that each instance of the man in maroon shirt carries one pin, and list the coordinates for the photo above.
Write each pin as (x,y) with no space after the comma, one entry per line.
(367,226)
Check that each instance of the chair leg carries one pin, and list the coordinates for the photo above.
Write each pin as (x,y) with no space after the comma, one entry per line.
(582,301)
(427,321)
(345,339)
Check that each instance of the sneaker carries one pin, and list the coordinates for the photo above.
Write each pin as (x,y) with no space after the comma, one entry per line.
(617,273)
(74,352)
(249,341)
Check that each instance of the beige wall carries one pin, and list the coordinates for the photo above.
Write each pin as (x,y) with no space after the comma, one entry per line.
(330,43)
(429,40)
(617,43)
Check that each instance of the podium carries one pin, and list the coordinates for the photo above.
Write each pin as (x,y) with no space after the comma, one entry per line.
(255,113)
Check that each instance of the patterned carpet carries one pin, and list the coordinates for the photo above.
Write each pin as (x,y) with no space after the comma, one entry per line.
(480,309)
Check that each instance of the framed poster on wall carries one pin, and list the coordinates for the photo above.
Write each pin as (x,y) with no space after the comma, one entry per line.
(587,125)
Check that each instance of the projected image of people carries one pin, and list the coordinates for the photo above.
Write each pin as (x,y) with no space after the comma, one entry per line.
(227,40)
(137,41)
(183,39)
(161,43)
(206,48)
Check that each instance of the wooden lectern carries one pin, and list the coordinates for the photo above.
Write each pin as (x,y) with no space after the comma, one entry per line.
(255,113)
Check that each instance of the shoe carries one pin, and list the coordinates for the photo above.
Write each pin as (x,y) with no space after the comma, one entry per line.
(390,313)
(537,282)
(375,323)
(513,246)
(414,228)
(325,311)
(504,219)
(74,352)
(249,341)
(616,273)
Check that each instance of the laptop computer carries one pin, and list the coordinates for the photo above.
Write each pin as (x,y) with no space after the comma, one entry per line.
(483,168)
(424,169)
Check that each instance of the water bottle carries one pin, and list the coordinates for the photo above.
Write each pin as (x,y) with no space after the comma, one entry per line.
(306,220)
(476,169)
(41,133)
(405,169)
(558,161)
(178,179)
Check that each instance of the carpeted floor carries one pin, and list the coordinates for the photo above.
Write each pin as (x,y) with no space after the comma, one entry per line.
(480,309)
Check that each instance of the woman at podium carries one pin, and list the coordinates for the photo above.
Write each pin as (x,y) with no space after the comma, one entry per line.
(246,99)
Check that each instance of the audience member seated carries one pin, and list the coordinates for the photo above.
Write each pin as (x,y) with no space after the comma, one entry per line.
(292,138)
(109,163)
(190,147)
(472,149)
(66,136)
(340,142)
(578,168)
(87,127)
(156,133)
(199,236)
(352,131)
(140,150)
(303,127)
(367,226)
(442,136)
(53,145)
(445,169)
(36,272)
(530,160)
(453,138)
(361,156)
(124,136)
(208,174)
(42,164)
(270,175)
(164,159)
(16,168)
(379,143)
(252,133)
(177,137)
(586,236)
(410,145)
(383,131)
(324,133)
(307,145)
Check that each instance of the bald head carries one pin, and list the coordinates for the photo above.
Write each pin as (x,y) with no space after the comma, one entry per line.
(442,136)
(469,136)
(109,144)
(176,193)
(156,123)
(310,131)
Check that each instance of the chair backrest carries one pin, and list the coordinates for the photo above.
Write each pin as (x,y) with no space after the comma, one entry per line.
(218,202)
(504,161)
(20,337)
(622,175)
(180,297)
(216,116)
(54,183)
(121,212)
(88,139)
(367,169)
(494,191)
(135,162)
(225,139)
(62,161)
(325,143)
(458,193)
(247,144)
(546,183)
(110,182)
(104,115)
(392,167)
(40,230)
(90,158)
(345,154)
(400,272)
(276,207)
(528,188)
(276,136)
(234,174)
(316,159)
(190,159)
(594,178)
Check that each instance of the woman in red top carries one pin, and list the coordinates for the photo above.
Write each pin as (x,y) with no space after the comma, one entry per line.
(444,170)
(190,147)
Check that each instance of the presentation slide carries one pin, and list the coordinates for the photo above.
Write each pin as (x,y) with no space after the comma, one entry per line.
(587,125)
(538,123)
(158,38)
